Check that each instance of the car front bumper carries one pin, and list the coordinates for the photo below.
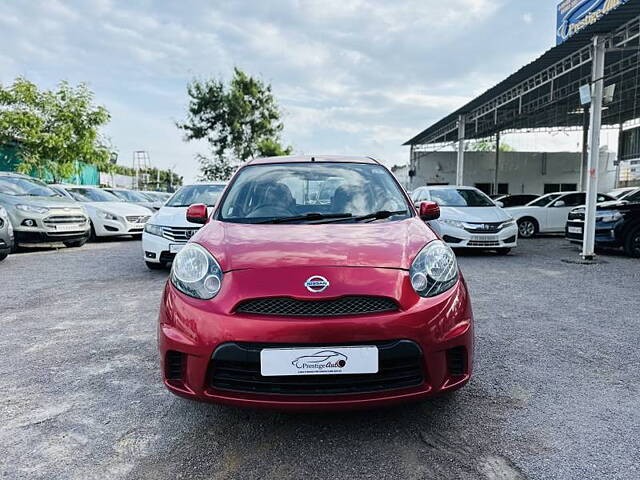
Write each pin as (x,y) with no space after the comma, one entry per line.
(194,331)
(158,249)
(115,228)
(461,238)
(606,233)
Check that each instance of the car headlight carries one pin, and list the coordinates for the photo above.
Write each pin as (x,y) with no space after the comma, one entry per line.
(196,273)
(3,213)
(509,223)
(434,270)
(32,209)
(107,215)
(152,229)
(453,223)
(608,217)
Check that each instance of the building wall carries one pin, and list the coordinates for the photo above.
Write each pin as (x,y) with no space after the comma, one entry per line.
(525,172)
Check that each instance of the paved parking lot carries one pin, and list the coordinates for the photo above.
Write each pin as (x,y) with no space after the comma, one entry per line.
(555,392)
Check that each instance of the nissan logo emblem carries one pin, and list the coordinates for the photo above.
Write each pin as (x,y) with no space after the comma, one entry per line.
(316,284)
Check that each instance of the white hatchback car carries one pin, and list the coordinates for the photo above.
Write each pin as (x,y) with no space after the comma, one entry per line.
(168,230)
(469,218)
(549,213)
(110,216)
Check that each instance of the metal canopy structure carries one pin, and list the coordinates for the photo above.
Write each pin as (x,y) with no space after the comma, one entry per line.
(545,93)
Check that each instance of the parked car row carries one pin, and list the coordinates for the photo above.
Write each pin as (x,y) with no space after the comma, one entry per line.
(32,212)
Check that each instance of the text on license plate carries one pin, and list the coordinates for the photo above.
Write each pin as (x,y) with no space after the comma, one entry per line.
(175,248)
(318,361)
(69,228)
(577,230)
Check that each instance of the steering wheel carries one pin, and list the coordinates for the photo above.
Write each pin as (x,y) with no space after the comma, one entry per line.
(270,211)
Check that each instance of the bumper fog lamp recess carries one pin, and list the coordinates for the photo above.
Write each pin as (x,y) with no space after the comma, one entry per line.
(174,366)
(456,361)
(29,223)
(150,254)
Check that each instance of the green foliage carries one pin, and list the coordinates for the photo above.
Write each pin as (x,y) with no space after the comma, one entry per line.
(239,121)
(54,129)
(490,146)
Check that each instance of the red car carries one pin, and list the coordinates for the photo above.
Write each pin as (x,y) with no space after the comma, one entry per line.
(315,284)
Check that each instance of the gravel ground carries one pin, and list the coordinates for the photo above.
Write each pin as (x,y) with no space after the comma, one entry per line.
(555,391)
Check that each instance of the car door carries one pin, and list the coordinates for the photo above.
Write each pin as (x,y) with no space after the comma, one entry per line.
(559,210)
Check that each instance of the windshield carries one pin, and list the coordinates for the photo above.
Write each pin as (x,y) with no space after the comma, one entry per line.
(460,197)
(92,195)
(633,196)
(545,200)
(261,193)
(129,196)
(26,187)
(186,196)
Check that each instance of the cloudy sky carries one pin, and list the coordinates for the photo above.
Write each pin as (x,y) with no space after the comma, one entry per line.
(351,76)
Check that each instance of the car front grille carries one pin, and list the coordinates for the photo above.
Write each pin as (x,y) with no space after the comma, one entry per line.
(138,219)
(484,227)
(179,234)
(64,219)
(488,243)
(236,367)
(290,307)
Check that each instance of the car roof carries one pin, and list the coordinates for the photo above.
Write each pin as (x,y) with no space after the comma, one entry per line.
(15,174)
(201,183)
(448,187)
(312,158)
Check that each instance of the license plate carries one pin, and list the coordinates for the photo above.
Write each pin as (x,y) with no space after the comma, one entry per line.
(175,248)
(576,230)
(484,238)
(68,228)
(318,361)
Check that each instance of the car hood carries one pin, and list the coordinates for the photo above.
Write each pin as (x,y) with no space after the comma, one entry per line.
(172,217)
(51,202)
(382,245)
(474,214)
(519,211)
(119,208)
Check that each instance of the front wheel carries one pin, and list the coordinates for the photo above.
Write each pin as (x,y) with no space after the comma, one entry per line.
(156,266)
(3,255)
(75,243)
(632,243)
(527,227)
(503,251)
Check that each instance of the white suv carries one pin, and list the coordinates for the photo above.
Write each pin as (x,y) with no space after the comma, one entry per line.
(168,230)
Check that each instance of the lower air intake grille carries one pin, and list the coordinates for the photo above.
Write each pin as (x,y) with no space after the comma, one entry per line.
(289,307)
(174,365)
(456,360)
(236,367)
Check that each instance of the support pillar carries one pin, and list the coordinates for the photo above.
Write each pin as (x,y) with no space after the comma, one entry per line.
(597,80)
(584,166)
(460,161)
(497,171)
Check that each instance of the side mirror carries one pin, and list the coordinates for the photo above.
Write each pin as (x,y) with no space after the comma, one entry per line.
(499,204)
(197,214)
(429,211)
(559,203)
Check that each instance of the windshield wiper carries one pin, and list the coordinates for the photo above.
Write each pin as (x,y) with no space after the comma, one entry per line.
(310,217)
(381,215)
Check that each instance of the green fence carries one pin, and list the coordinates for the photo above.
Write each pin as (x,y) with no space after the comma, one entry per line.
(85,174)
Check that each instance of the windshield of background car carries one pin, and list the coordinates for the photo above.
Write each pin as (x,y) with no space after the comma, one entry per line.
(279,191)
(186,196)
(130,196)
(545,200)
(25,187)
(92,195)
(454,197)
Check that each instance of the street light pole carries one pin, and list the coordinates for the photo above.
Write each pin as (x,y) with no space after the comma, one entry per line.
(460,160)
(595,124)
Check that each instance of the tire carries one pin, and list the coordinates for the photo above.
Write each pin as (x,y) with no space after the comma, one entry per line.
(156,266)
(632,242)
(92,236)
(75,243)
(503,251)
(527,227)
(137,236)
(3,255)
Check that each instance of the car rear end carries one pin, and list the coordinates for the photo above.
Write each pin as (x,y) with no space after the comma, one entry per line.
(608,225)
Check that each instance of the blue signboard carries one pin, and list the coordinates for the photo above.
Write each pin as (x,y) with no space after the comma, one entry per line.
(574,15)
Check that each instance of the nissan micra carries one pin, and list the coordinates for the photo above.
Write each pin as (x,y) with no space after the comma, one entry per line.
(293,297)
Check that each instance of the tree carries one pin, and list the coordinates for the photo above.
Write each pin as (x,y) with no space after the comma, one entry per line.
(239,121)
(54,129)
(489,146)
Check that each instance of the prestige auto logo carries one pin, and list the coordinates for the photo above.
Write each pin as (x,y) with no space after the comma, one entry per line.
(323,360)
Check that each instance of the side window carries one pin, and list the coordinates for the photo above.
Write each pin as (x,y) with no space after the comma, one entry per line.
(602,198)
(574,200)
(633,198)
(416,195)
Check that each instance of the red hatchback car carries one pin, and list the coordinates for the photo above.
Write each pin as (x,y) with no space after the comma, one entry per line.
(315,284)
